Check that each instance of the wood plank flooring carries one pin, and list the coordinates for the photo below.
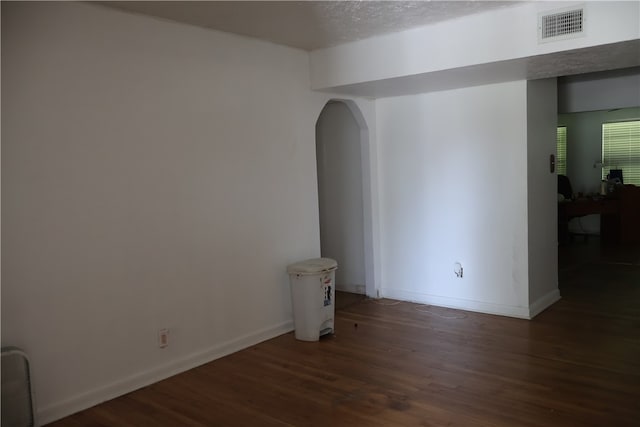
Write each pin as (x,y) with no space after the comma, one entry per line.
(401,364)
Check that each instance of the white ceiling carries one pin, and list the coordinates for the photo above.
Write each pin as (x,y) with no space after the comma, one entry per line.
(309,25)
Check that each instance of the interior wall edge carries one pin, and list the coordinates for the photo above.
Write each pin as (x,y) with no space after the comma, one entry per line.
(544,302)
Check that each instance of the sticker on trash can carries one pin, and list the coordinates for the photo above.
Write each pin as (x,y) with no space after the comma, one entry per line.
(327,290)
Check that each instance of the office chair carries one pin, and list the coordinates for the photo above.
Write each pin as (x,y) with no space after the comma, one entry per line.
(564,235)
(564,187)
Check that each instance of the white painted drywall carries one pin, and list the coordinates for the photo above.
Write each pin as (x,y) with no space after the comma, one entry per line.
(584,151)
(453,188)
(153,175)
(340,192)
(364,111)
(599,91)
(484,38)
(541,194)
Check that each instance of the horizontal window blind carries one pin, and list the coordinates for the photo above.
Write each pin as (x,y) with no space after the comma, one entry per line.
(621,150)
(561,150)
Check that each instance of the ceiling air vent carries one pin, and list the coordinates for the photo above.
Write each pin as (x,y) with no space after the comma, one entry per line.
(561,25)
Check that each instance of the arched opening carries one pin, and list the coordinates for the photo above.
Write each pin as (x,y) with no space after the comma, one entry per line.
(344,195)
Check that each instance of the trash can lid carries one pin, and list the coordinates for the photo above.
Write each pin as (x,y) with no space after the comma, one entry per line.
(313,266)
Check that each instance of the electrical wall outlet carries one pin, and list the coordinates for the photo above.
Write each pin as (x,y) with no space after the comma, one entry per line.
(163,338)
(457,270)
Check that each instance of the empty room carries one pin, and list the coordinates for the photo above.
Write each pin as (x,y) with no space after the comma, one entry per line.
(166,167)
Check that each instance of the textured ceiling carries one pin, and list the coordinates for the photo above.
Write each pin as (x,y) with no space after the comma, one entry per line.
(313,25)
(309,25)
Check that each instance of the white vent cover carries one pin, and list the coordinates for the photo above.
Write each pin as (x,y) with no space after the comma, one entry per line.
(561,25)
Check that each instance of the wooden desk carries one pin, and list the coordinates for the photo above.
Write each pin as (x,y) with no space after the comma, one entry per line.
(582,207)
(625,226)
(605,207)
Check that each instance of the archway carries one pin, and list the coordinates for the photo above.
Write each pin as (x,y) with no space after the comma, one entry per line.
(344,195)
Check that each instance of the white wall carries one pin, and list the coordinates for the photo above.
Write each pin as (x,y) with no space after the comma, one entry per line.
(153,175)
(364,111)
(599,91)
(541,194)
(501,35)
(338,157)
(453,187)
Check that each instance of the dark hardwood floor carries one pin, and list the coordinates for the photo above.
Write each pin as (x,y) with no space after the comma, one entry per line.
(402,364)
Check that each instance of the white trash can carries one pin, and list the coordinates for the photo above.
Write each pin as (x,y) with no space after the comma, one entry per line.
(313,295)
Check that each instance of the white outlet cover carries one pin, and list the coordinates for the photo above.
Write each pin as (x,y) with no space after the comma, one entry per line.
(457,269)
(163,338)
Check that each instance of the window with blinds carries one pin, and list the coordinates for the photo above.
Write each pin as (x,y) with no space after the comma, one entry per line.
(561,150)
(621,150)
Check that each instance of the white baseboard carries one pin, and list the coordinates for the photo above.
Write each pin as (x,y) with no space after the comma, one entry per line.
(543,303)
(142,379)
(354,289)
(533,310)
(457,303)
